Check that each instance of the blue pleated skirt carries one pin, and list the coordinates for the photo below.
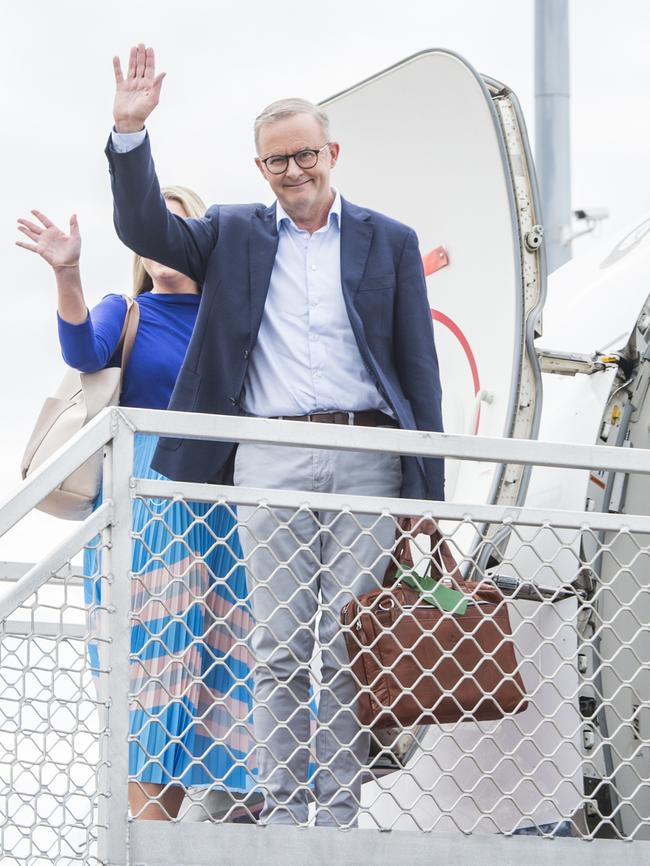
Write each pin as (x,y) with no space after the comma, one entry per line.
(190,664)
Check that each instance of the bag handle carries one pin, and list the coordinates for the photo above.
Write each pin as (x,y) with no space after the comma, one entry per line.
(441,561)
(128,333)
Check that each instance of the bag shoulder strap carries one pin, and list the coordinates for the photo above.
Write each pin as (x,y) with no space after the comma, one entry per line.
(128,333)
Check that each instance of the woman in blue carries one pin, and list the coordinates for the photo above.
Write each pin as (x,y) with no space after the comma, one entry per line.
(190,664)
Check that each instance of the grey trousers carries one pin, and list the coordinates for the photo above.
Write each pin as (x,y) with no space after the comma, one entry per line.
(302,567)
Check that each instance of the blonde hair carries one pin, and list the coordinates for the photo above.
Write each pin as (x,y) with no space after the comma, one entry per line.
(193,206)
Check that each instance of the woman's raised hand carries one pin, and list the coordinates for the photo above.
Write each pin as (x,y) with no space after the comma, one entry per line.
(137,94)
(59,250)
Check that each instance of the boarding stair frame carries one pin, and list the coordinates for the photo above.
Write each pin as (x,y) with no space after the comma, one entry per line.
(119,840)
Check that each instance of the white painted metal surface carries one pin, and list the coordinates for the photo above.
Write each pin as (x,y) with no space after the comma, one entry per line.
(594,300)
(412,442)
(114,627)
(243,846)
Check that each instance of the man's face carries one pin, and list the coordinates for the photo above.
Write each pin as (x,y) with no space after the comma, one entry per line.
(305,194)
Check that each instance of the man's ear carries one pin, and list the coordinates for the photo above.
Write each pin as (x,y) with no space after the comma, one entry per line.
(335,149)
(260,165)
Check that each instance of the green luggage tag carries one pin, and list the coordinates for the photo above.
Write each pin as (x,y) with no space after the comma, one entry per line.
(433,592)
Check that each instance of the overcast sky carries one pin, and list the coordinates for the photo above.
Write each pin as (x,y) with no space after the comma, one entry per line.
(225,61)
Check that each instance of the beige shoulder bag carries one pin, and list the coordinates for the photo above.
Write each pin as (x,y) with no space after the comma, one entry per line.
(79,397)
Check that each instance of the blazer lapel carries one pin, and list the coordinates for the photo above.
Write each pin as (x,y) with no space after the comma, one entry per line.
(356,236)
(262,250)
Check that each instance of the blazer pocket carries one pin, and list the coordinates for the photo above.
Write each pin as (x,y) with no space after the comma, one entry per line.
(373,284)
(376,311)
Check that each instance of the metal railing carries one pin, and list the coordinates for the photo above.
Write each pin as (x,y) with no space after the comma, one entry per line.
(94,677)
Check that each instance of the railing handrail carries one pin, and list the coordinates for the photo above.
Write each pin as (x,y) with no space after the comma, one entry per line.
(246,429)
(415,443)
(42,571)
(521,515)
(99,432)
(12,571)
(26,496)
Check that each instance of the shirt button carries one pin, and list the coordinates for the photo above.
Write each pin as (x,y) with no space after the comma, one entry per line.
(313,267)
(313,337)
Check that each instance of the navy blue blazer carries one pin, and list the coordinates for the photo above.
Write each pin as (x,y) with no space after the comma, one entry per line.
(230,254)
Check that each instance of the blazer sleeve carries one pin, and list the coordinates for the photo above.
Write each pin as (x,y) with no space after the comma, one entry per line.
(144,223)
(416,358)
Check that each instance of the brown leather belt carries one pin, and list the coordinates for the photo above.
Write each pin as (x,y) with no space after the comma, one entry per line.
(366,418)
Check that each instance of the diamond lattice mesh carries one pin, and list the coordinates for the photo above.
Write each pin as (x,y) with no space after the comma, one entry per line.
(53,722)
(273,677)
(246,687)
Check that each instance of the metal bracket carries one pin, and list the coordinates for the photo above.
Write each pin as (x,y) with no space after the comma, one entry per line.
(570,363)
(526,590)
(533,238)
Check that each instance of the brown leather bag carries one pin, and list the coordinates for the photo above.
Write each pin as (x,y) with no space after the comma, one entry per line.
(419,665)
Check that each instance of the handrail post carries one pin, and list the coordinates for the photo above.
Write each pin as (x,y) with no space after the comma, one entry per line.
(113,781)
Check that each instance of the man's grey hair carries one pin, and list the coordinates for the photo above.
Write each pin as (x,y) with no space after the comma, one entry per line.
(284,108)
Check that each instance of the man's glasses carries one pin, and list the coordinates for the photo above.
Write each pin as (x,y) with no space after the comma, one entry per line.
(306,158)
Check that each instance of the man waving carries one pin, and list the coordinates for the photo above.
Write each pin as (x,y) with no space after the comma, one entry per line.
(313,309)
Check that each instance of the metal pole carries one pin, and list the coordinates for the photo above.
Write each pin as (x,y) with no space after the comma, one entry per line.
(114,816)
(552,125)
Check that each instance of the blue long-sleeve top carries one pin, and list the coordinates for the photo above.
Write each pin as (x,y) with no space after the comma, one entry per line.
(164,330)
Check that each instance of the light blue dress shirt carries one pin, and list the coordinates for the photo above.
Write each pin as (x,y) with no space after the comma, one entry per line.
(306,358)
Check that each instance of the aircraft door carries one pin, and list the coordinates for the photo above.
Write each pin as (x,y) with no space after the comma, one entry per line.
(433,144)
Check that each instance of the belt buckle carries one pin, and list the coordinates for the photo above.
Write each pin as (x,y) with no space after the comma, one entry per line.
(350,418)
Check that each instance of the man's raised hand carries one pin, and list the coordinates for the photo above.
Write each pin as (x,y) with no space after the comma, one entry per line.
(137,93)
